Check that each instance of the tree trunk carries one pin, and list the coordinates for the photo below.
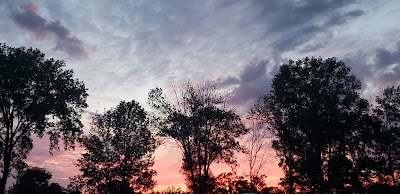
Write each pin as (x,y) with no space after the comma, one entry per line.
(291,182)
(6,170)
(391,168)
(321,181)
(291,178)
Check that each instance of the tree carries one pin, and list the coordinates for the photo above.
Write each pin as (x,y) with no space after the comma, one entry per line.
(230,183)
(37,96)
(378,188)
(206,131)
(225,183)
(55,188)
(272,190)
(258,155)
(170,190)
(119,152)
(31,180)
(35,180)
(387,141)
(322,126)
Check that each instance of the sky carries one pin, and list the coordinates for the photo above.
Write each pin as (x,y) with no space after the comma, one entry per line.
(122,49)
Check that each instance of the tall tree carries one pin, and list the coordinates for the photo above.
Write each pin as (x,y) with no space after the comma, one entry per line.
(387,141)
(37,96)
(119,152)
(258,153)
(321,124)
(198,119)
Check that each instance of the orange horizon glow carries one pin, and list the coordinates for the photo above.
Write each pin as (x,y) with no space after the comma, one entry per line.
(167,164)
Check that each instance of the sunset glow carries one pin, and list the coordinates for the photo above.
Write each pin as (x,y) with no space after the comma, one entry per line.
(123,49)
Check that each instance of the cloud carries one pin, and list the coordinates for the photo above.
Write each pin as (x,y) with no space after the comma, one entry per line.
(392,77)
(60,164)
(357,62)
(377,68)
(384,57)
(254,79)
(163,42)
(28,18)
(292,24)
(388,64)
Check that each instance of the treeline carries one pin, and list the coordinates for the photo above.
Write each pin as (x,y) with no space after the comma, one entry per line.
(328,139)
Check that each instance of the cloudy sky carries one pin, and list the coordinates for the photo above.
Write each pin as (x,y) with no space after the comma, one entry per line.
(122,49)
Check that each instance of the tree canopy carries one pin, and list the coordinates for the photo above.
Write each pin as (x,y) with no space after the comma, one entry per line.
(387,138)
(119,152)
(198,119)
(321,124)
(37,96)
(35,180)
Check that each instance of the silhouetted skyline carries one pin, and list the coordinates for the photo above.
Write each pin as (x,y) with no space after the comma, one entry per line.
(121,50)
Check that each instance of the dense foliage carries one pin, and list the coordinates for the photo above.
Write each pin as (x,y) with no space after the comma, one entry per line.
(387,139)
(198,119)
(322,126)
(119,152)
(37,96)
(36,180)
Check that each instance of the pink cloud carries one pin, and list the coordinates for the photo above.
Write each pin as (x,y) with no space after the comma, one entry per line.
(60,164)
(28,18)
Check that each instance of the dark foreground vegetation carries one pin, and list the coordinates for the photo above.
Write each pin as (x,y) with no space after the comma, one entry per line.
(327,138)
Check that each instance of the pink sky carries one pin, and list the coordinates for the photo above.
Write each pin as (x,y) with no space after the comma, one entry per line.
(167,164)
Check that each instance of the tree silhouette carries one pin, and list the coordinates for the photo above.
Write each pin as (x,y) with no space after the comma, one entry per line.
(387,147)
(257,155)
(35,180)
(55,188)
(119,152)
(230,183)
(36,96)
(198,119)
(323,128)
(32,180)
(379,188)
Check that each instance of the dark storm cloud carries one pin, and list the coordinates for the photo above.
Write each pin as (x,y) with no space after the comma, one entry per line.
(391,78)
(313,46)
(253,71)
(355,13)
(296,37)
(294,23)
(357,62)
(28,18)
(287,14)
(384,57)
(388,62)
(254,80)
(228,82)
(382,71)
(65,42)
(305,26)
(341,18)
